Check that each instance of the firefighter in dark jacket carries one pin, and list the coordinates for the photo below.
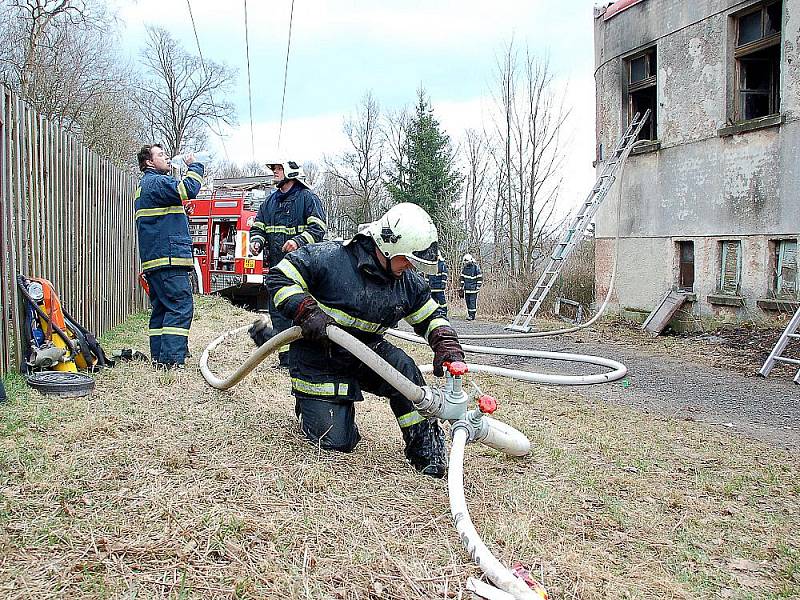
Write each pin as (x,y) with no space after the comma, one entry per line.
(471,281)
(365,286)
(438,283)
(290,218)
(165,250)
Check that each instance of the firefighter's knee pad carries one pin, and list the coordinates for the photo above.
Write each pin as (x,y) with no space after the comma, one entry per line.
(331,425)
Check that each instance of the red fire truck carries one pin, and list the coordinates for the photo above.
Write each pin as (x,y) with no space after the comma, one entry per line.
(219,223)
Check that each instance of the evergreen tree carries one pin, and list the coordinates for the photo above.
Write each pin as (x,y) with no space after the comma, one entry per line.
(426,174)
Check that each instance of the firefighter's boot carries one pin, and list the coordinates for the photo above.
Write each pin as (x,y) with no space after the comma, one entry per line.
(425,448)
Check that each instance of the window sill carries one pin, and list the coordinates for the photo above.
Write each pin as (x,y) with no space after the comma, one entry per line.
(751,125)
(725,300)
(646,147)
(777,304)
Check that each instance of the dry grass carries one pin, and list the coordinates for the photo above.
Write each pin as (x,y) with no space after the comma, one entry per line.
(157,486)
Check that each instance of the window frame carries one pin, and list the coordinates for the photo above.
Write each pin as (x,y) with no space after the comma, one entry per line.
(780,250)
(650,130)
(680,244)
(743,51)
(724,289)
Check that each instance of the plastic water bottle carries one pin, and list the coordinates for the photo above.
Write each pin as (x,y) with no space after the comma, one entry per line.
(203,157)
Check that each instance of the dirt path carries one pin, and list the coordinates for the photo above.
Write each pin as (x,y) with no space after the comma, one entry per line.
(671,377)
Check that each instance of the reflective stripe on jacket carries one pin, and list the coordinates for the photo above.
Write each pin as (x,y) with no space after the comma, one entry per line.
(471,277)
(161,223)
(438,282)
(295,215)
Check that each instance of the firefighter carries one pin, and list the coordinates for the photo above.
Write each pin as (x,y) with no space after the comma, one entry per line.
(438,283)
(471,281)
(290,218)
(365,286)
(165,249)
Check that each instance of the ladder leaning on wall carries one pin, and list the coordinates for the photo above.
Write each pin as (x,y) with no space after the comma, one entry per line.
(776,355)
(578,225)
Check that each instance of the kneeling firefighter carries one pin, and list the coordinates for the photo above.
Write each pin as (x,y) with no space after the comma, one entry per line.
(365,286)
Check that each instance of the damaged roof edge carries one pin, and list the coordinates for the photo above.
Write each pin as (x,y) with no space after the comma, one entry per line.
(618,7)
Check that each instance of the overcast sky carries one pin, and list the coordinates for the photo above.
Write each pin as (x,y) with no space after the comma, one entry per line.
(341,49)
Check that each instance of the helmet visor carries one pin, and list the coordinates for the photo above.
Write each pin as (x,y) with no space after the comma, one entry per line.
(426,260)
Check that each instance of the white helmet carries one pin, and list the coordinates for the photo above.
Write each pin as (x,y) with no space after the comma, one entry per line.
(468,258)
(291,171)
(407,230)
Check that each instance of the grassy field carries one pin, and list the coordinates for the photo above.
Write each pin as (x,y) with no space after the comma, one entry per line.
(157,486)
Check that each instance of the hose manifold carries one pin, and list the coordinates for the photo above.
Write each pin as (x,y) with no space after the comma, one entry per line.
(442,404)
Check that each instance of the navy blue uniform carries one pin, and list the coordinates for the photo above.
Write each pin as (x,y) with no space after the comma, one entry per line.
(165,250)
(294,215)
(349,284)
(471,281)
(438,285)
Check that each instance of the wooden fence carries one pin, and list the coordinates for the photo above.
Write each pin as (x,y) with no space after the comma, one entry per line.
(66,214)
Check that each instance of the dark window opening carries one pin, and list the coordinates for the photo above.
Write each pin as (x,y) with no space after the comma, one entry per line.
(758,62)
(686,266)
(640,102)
(642,91)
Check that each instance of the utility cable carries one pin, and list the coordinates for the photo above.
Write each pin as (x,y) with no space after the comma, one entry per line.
(285,74)
(205,71)
(249,88)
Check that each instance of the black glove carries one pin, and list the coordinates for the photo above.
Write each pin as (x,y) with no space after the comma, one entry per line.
(312,320)
(260,332)
(461,292)
(446,348)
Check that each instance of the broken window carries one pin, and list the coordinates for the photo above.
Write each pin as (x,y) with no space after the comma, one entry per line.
(686,266)
(730,266)
(642,87)
(785,261)
(758,62)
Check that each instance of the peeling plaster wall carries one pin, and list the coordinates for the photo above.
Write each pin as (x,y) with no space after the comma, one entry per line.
(698,186)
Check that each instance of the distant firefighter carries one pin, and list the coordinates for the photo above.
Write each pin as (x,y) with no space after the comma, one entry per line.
(471,281)
(438,283)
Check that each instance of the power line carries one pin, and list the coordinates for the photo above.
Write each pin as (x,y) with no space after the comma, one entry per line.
(203,64)
(249,93)
(285,73)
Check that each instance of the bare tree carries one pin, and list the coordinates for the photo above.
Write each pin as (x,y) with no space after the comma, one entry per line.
(527,149)
(58,56)
(477,191)
(181,99)
(355,177)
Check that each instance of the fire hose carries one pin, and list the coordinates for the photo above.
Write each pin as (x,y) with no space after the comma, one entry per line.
(450,404)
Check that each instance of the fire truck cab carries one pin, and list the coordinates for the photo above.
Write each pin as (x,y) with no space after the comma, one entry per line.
(219,223)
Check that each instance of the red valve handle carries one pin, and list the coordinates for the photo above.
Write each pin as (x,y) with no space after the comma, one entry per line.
(457,368)
(487,404)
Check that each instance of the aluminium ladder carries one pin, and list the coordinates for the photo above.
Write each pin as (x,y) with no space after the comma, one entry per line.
(776,355)
(579,223)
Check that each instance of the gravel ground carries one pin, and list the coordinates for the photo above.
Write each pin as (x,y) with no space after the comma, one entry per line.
(688,379)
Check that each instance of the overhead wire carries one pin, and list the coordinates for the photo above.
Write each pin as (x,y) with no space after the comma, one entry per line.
(205,71)
(285,74)
(249,87)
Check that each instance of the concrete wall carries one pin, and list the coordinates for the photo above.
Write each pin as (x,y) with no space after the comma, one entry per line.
(699,185)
